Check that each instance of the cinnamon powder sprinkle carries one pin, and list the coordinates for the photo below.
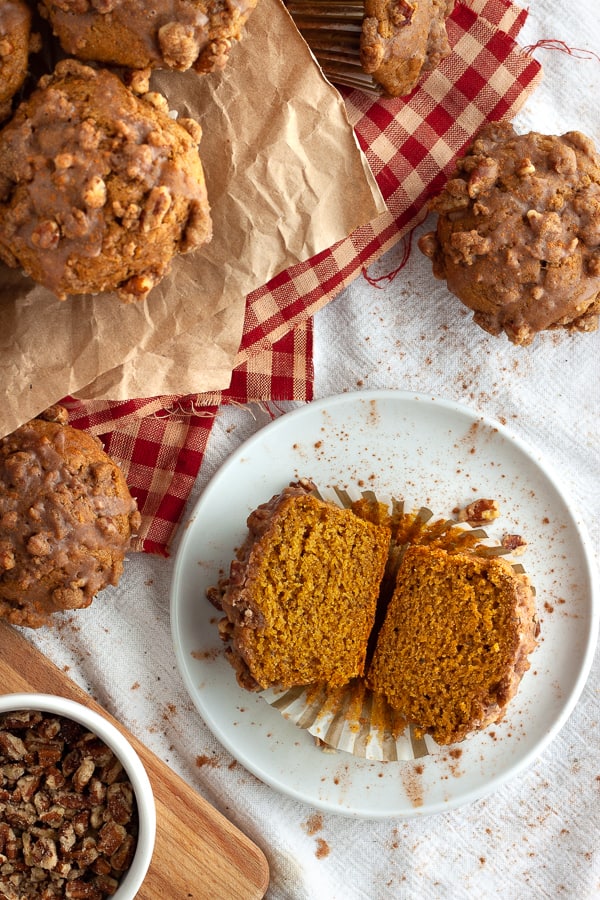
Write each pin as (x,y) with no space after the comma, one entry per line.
(323,849)
(313,824)
(207,761)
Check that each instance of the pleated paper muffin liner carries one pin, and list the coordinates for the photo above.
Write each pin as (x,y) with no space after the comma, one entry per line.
(352,718)
(333,32)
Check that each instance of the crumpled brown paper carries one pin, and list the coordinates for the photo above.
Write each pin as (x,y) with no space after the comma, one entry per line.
(286,179)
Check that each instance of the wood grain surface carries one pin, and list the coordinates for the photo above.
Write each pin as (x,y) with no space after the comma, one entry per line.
(199,854)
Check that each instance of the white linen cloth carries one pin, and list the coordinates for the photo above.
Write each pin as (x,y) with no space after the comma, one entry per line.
(538,835)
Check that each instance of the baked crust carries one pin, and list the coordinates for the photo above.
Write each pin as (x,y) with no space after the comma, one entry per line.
(99,188)
(15,36)
(518,232)
(173,34)
(66,520)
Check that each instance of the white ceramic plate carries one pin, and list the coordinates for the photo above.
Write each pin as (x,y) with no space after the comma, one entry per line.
(433,453)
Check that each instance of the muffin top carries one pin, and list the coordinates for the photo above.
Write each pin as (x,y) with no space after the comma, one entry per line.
(402,39)
(15,35)
(518,232)
(172,34)
(66,519)
(99,188)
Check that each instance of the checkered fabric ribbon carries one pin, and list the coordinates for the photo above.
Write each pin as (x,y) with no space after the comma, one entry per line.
(411,145)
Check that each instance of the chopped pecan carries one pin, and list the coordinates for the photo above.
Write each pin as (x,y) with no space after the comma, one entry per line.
(136,288)
(83,773)
(121,859)
(157,206)
(139,80)
(88,852)
(40,853)
(106,884)
(15,721)
(20,815)
(158,101)
(27,785)
(119,802)
(525,167)
(180,44)
(46,235)
(483,176)
(455,196)
(11,746)
(513,543)
(54,816)
(67,837)
(479,512)
(96,791)
(48,754)
(94,194)
(68,822)
(82,890)
(466,245)
(110,838)
(39,545)
(11,772)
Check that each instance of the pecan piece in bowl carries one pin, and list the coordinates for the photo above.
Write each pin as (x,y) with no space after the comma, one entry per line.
(77,814)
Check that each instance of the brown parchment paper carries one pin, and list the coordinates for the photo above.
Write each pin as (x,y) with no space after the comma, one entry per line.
(286,179)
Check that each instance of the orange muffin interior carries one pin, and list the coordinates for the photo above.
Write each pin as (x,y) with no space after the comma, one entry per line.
(454,643)
(302,594)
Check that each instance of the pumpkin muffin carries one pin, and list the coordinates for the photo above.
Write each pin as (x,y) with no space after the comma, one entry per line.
(375,45)
(518,232)
(301,595)
(171,34)
(15,43)
(66,520)
(402,40)
(455,641)
(99,188)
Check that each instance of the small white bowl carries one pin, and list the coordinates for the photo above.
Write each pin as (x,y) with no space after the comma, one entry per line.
(118,743)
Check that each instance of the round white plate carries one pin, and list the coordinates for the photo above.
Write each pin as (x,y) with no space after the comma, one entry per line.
(433,453)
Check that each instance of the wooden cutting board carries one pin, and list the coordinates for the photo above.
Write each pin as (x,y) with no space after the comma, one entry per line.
(199,854)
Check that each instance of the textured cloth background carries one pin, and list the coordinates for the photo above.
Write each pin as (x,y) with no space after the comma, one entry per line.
(535,837)
(411,145)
